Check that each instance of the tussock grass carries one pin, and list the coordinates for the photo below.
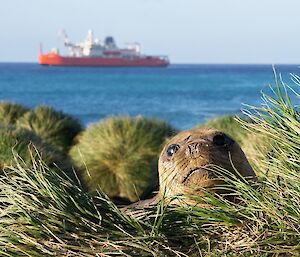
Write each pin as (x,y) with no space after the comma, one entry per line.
(54,127)
(19,143)
(275,128)
(121,155)
(10,112)
(45,213)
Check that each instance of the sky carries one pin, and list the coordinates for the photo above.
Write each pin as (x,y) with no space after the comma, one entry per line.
(188,31)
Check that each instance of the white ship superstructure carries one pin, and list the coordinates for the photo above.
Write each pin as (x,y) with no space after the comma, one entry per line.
(93,47)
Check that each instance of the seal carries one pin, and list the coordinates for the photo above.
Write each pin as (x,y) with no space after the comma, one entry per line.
(186,161)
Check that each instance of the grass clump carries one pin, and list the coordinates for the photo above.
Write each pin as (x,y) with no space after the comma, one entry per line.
(275,128)
(121,155)
(19,143)
(44,213)
(54,127)
(10,112)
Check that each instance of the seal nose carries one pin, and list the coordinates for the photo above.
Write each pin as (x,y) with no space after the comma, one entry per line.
(193,150)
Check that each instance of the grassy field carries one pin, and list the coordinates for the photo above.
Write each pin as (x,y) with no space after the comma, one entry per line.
(44,212)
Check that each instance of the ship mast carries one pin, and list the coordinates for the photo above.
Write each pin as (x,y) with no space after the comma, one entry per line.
(74,49)
(41,48)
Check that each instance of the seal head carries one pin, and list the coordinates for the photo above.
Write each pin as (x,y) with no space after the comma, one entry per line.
(185,164)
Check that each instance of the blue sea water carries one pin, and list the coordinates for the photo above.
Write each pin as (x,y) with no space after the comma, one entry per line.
(184,95)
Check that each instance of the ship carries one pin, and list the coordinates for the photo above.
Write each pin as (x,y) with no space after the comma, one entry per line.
(94,53)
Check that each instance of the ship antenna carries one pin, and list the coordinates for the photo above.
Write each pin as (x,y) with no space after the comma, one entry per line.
(41,48)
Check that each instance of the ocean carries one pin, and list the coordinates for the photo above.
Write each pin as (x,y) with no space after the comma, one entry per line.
(184,95)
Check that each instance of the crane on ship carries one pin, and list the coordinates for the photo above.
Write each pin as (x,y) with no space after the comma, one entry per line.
(73,49)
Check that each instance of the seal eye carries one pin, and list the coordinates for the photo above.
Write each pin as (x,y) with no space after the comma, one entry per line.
(222,140)
(172,149)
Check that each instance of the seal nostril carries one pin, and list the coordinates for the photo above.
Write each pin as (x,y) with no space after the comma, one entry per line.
(222,140)
(193,150)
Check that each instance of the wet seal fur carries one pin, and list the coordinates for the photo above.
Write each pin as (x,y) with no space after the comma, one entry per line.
(185,164)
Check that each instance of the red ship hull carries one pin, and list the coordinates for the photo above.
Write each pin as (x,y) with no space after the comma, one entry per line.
(58,60)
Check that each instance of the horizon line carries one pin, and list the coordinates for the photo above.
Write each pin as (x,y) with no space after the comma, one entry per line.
(180,63)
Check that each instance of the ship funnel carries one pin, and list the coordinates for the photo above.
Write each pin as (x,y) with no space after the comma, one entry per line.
(110,42)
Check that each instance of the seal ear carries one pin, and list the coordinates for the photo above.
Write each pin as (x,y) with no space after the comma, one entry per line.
(221,139)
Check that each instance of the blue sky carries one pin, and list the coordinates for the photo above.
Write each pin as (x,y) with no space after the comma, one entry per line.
(189,31)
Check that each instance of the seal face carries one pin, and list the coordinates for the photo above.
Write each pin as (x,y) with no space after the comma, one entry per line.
(186,161)
(185,164)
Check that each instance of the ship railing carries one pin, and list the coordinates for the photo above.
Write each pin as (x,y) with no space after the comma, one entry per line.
(162,57)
